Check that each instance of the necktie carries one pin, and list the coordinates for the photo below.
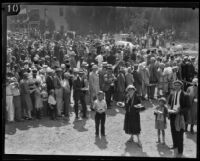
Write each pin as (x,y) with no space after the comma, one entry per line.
(176,98)
(79,80)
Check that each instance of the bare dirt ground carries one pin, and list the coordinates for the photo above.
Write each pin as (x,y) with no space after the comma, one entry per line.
(72,137)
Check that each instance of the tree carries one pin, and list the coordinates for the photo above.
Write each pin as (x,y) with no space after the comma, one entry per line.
(51,25)
(42,26)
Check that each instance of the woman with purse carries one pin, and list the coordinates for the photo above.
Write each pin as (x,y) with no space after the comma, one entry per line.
(132,115)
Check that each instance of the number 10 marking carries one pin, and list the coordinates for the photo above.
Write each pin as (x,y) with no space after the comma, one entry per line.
(13,8)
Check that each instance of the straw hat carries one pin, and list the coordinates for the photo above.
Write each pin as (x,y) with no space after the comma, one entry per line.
(130,87)
(94,66)
(163,99)
(178,82)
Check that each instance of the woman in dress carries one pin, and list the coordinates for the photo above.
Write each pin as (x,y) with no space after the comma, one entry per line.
(57,80)
(16,100)
(66,94)
(162,80)
(9,100)
(192,112)
(38,100)
(132,115)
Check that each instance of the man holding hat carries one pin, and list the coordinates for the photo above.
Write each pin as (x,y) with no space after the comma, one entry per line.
(178,102)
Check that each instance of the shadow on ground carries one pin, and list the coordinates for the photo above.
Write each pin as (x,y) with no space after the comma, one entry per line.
(79,125)
(101,142)
(193,137)
(132,149)
(164,150)
(11,128)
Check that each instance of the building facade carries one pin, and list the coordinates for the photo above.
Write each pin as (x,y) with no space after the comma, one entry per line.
(56,13)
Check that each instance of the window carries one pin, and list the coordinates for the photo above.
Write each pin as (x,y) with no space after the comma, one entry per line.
(34,15)
(61,12)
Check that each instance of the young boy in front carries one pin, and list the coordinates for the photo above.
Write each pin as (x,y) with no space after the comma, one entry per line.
(100,107)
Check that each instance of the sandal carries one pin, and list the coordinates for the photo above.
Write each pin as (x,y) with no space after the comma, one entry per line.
(130,140)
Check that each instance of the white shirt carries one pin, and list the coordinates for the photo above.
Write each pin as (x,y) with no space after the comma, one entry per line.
(51,100)
(99,59)
(175,107)
(100,106)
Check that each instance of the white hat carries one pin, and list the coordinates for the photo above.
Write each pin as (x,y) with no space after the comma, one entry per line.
(62,66)
(195,81)
(49,70)
(130,87)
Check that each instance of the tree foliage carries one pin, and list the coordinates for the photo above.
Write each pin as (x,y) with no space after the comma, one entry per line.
(51,25)
(130,19)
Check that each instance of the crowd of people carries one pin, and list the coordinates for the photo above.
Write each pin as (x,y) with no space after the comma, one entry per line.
(44,77)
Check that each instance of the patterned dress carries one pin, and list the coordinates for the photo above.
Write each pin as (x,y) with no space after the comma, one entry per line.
(160,121)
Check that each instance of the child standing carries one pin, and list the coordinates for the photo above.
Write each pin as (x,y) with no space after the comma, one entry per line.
(45,100)
(160,120)
(100,107)
(52,104)
(38,100)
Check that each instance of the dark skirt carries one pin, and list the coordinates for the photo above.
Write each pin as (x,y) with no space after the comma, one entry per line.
(132,122)
(17,105)
(26,102)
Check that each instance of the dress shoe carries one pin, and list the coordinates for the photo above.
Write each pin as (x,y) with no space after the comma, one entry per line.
(173,147)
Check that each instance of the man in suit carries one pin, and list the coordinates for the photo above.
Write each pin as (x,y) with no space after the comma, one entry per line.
(49,80)
(108,85)
(153,77)
(79,93)
(178,102)
(101,73)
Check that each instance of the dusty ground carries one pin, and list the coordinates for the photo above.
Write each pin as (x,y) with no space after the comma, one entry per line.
(78,137)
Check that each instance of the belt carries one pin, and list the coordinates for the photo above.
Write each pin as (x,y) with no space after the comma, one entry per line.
(9,95)
(100,113)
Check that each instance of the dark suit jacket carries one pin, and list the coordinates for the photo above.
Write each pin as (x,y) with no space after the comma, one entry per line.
(77,85)
(50,84)
(184,102)
(129,104)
